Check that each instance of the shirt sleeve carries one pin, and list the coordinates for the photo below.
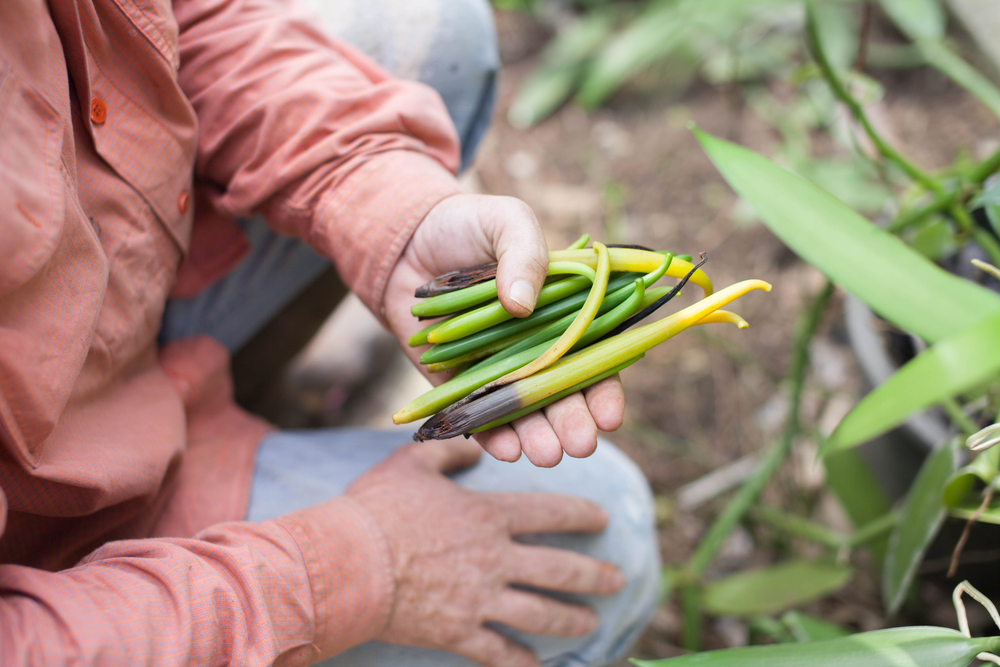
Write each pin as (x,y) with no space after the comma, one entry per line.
(288,591)
(313,134)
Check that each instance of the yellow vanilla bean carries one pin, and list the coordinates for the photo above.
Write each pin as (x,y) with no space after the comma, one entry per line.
(482,407)
(642,261)
(576,329)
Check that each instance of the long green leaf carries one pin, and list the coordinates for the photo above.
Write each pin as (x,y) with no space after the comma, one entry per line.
(562,66)
(860,493)
(967,511)
(951,65)
(922,516)
(950,367)
(652,36)
(918,19)
(807,628)
(774,589)
(896,281)
(899,647)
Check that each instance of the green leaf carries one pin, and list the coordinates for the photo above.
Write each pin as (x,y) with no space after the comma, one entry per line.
(807,628)
(774,589)
(542,93)
(917,19)
(985,468)
(899,647)
(950,64)
(838,34)
(562,67)
(950,367)
(968,510)
(935,240)
(652,36)
(922,516)
(861,495)
(895,280)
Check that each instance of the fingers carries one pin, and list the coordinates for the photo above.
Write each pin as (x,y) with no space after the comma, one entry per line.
(501,443)
(445,455)
(538,441)
(573,425)
(606,402)
(551,513)
(565,426)
(494,650)
(522,256)
(541,615)
(564,571)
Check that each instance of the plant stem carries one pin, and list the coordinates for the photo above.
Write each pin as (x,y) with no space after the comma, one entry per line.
(986,168)
(958,416)
(747,495)
(799,526)
(874,529)
(840,91)
(907,218)
(690,595)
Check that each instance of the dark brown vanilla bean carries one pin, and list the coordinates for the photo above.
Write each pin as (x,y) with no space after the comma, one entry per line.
(466,415)
(456,280)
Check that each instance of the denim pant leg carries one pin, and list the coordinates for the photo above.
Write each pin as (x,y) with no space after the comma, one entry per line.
(299,469)
(450,45)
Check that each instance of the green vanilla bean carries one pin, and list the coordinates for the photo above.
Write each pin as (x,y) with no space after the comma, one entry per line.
(455,389)
(463,299)
(580,242)
(555,397)
(580,323)
(630,259)
(444,351)
(420,338)
(485,353)
(493,313)
(610,301)
(478,409)
(554,329)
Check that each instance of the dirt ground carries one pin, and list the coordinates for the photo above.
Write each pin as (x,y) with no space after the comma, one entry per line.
(633,173)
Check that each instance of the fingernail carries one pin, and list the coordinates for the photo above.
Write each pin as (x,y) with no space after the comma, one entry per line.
(523,294)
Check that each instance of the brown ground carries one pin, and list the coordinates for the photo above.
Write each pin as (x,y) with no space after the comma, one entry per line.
(711,396)
(633,173)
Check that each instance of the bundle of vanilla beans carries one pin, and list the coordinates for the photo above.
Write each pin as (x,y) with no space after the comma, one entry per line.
(579,333)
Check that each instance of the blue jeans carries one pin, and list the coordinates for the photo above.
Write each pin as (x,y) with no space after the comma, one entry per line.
(451,45)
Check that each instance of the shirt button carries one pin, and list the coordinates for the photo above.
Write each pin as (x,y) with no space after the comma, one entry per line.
(182,203)
(98,112)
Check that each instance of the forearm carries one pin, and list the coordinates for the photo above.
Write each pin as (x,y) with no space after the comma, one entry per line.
(292,590)
(312,133)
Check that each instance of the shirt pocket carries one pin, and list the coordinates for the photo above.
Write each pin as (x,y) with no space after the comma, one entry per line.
(53,273)
(31,189)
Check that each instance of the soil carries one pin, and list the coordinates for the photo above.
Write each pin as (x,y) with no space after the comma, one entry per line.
(632,173)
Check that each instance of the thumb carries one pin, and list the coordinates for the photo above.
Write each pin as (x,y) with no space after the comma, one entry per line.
(522,256)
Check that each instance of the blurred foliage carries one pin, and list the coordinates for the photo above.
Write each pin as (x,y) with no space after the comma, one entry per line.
(746,45)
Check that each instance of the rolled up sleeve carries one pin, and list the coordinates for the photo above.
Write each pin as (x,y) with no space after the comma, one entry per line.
(288,591)
(310,132)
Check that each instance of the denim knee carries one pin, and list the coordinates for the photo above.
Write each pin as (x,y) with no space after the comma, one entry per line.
(462,66)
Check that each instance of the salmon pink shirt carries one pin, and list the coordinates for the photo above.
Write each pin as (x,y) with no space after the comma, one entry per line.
(131,133)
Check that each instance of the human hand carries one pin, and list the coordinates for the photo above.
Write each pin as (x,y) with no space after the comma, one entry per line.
(465,230)
(454,559)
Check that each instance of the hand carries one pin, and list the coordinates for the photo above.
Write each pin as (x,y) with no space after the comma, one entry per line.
(465,230)
(454,559)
